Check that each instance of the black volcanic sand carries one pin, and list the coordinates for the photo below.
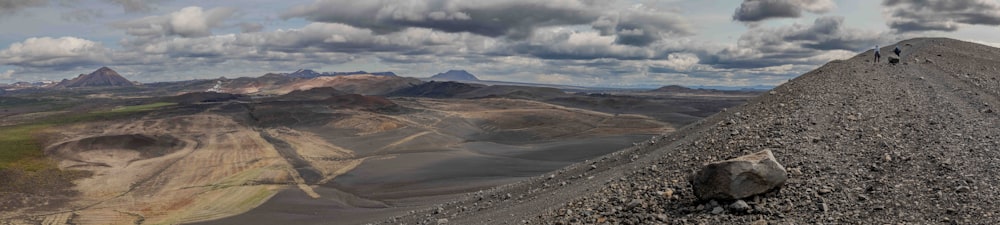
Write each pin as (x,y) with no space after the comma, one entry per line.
(864,143)
(393,184)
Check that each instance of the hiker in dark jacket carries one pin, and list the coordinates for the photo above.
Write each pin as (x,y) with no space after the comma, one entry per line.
(897,51)
(877,55)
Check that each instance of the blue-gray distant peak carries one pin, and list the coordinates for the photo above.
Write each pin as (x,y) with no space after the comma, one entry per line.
(456,75)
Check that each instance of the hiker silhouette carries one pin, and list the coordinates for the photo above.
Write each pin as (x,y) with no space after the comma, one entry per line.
(877,55)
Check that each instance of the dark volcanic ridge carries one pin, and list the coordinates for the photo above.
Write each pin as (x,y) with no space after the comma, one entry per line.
(677,89)
(313,94)
(103,77)
(205,97)
(455,75)
(433,89)
(863,143)
(307,73)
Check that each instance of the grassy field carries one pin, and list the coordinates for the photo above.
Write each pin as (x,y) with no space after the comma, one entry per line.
(21,147)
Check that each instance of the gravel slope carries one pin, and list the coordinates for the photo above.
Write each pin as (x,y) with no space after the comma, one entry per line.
(865,144)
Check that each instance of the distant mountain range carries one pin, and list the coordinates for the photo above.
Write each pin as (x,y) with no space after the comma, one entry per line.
(677,89)
(307,73)
(455,75)
(103,77)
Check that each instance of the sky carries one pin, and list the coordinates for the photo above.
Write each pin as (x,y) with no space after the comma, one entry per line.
(604,43)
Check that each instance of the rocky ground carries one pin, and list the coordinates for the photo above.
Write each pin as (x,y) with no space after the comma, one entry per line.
(863,143)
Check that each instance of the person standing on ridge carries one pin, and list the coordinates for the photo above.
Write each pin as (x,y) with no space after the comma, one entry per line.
(897,51)
(877,55)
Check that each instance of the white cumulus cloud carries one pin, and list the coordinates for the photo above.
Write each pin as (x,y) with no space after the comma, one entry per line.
(192,21)
(48,51)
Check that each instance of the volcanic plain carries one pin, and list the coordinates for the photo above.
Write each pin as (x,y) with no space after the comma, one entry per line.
(344,149)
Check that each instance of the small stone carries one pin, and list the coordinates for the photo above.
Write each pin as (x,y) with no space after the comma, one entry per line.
(740,206)
(962,189)
(668,193)
(823,207)
(717,210)
(824,191)
(593,167)
(442,221)
(795,171)
(662,217)
(634,203)
(759,222)
(713,203)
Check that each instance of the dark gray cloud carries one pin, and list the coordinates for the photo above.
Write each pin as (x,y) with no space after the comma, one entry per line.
(569,44)
(77,14)
(795,44)
(758,10)
(940,15)
(8,7)
(515,19)
(248,27)
(82,15)
(131,6)
(335,37)
(641,28)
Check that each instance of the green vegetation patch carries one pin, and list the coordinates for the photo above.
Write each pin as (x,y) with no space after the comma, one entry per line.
(140,108)
(21,145)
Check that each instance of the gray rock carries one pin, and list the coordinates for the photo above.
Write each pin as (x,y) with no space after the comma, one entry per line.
(717,210)
(662,217)
(893,59)
(740,206)
(442,221)
(738,178)
(634,203)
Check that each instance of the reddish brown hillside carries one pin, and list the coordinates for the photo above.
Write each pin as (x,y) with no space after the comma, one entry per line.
(103,77)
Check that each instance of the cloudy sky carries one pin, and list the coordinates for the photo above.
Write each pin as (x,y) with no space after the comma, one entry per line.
(620,43)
